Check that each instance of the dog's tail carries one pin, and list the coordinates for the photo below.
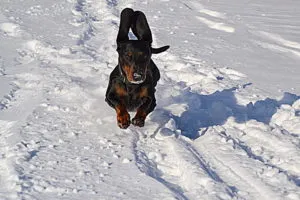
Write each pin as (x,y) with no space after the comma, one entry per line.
(160,49)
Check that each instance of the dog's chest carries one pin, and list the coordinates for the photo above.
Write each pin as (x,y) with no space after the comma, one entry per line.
(134,98)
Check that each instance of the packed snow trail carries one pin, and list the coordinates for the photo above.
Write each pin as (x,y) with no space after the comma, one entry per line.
(60,140)
(213,135)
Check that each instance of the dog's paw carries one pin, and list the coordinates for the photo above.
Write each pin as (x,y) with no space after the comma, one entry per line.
(138,121)
(123,120)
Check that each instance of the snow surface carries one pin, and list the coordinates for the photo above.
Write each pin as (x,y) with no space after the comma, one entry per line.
(227,123)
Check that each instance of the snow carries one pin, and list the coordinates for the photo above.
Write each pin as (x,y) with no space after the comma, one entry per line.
(227,123)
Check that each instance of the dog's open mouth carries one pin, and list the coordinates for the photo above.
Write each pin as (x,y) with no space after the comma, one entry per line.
(137,82)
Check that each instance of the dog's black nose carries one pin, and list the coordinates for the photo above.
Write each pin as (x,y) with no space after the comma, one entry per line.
(137,76)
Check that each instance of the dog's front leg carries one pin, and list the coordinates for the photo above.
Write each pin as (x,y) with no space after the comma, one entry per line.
(148,104)
(116,99)
(123,117)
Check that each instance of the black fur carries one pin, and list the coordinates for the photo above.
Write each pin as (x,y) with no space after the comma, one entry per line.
(132,83)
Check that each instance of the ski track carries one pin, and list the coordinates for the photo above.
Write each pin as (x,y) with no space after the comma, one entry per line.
(149,167)
(230,190)
(49,137)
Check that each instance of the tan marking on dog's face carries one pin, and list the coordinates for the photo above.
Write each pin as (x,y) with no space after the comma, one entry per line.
(128,72)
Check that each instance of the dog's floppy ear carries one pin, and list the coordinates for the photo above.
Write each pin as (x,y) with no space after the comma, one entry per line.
(140,27)
(125,23)
(141,30)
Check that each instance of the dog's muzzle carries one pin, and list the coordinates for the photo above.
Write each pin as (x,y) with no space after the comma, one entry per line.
(137,78)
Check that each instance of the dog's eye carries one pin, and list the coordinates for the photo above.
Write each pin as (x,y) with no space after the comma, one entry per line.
(129,55)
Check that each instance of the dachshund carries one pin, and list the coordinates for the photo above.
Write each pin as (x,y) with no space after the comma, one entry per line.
(132,83)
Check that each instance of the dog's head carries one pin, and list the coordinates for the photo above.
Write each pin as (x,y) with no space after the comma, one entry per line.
(135,55)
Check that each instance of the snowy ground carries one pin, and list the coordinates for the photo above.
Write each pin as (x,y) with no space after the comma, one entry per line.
(227,123)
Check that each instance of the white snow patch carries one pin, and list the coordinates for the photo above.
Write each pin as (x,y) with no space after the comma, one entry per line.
(10,29)
(220,26)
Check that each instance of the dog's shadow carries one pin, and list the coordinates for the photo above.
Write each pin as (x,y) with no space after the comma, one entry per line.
(203,111)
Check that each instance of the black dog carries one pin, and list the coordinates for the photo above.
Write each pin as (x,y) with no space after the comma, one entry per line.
(132,83)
